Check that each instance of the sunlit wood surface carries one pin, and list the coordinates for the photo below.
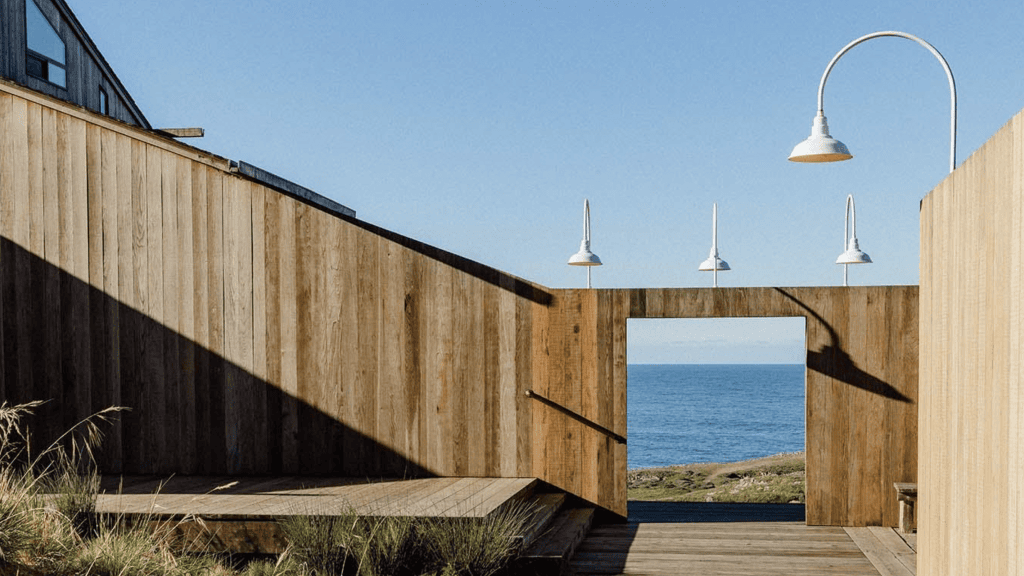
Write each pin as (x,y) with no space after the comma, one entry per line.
(742,549)
(269,498)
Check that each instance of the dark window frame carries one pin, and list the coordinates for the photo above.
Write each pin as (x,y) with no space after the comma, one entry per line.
(46,61)
(104,102)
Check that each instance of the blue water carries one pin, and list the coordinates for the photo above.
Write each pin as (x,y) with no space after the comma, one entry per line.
(687,413)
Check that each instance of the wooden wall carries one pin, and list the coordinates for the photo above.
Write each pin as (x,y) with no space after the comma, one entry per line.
(971,518)
(861,378)
(86,69)
(251,333)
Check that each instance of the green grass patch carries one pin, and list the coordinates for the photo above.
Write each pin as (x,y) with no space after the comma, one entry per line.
(778,479)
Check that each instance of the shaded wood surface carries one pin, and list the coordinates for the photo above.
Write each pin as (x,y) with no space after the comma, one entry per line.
(740,549)
(248,332)
(970,508)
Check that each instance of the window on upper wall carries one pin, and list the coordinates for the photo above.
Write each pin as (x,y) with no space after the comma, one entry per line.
(104,107)
(46,57)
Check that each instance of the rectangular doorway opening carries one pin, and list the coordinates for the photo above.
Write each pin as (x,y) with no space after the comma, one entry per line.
(714,390)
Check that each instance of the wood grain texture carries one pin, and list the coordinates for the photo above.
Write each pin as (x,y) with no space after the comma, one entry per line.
(858,401)
(970,509)
(252,333)
(726,549)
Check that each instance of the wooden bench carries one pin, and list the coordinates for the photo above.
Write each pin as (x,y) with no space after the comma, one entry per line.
(906,493)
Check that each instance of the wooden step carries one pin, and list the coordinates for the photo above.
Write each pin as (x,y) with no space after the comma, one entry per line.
(544,508)
(550,554)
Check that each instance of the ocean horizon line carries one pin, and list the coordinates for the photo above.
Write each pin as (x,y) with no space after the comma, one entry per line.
(716,364)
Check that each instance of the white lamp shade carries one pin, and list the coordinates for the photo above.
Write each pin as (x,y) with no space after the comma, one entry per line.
(820,146)
(584,257)
(853,255)
(709,264)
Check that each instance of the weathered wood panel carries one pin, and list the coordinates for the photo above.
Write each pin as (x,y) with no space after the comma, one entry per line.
(861,389)
(252,333)
(972,412)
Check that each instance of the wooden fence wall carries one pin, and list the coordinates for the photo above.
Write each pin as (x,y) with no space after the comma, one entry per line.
(861,384)
(971,518)
(251,333)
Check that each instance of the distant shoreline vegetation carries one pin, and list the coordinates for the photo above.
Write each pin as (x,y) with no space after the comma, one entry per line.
(776,479)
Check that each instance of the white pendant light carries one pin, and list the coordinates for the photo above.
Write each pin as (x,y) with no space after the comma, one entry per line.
(820,146)
(852,253)
(585,257)
(714,263)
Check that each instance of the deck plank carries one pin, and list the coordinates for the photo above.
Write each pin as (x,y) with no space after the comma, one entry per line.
(876,551)
(720,549)
(275,497)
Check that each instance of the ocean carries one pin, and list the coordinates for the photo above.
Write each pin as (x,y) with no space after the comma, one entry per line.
(688,413)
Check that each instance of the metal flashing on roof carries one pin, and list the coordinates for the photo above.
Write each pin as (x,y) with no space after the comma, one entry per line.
(292,189)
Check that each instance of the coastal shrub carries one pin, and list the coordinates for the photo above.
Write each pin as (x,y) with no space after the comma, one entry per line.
(778,479)
(474,546)
(353,544)
(285,565)
(398,546)
(16,510)
(49,525)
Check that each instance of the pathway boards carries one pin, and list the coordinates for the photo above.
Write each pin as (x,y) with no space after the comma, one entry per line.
(723,549)
(886,549)
(268,498)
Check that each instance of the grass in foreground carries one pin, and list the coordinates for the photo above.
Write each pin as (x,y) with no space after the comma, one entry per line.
(778,479)
(367,546)
(49,526)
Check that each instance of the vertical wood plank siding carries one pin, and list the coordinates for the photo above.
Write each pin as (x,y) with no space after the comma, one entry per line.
(971,508)
(251,333)
(861,389)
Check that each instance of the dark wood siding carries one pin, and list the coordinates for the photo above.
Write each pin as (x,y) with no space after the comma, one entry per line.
(86,72)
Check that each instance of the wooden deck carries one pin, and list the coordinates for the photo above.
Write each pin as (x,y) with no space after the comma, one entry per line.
(241,515)
(742,549)
(225,498)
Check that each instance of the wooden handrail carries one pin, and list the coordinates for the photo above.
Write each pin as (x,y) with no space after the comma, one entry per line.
(579,418)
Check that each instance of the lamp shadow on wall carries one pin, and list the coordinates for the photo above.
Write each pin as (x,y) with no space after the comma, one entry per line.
(192,411)
(833,361)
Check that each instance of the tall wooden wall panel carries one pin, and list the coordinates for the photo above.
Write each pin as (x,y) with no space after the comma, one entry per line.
(972,413)
(861,386)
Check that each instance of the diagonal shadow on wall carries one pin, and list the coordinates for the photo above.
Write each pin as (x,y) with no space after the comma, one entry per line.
(192,410)
(833,361)
(521,288)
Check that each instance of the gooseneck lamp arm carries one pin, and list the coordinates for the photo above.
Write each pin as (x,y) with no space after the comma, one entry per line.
(714,240)
(586,234)
(945,66)
(586,222)
(847,241)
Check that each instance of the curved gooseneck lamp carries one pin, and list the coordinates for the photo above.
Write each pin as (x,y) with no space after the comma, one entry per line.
(714,263)
(852,253)
(585,257)
(821,147)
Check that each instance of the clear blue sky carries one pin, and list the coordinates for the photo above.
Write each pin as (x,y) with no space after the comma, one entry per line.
(480,127)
